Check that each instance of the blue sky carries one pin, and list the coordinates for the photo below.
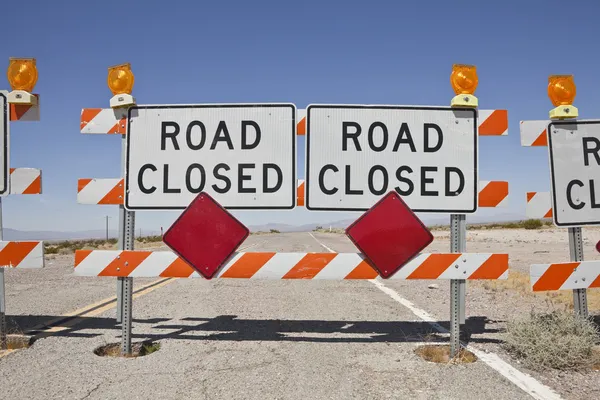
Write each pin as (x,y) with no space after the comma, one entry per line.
(274,51)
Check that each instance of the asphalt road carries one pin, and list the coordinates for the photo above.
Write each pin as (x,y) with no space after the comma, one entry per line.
(237,339)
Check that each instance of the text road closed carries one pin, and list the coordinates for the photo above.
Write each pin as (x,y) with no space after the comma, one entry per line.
(575,172)
(356,154)
(242,155)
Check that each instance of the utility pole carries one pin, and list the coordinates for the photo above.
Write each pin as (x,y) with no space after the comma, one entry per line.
(107,217)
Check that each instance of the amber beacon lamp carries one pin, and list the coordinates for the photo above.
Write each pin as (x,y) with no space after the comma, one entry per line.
(22,76)
(562,92)
(120,82)
(464,82)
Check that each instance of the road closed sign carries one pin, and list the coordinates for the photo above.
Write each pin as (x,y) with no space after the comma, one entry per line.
(574,149)
(357,154)
(242,155)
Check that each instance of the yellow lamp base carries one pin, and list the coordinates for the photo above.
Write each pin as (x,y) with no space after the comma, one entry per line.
(21,97)
(566,111)
(464,100)
(122,100)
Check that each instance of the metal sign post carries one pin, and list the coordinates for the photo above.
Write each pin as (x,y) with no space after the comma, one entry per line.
(127,293)
(576,250)
(458,244)
(122,235)
(3,327)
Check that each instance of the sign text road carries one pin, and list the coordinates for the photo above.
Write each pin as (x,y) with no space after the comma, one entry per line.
(574,149)
(356,154)
(243,155)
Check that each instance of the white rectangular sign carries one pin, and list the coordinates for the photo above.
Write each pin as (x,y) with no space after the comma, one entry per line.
(4,137)
(243,155)
(574,149)
(356,154)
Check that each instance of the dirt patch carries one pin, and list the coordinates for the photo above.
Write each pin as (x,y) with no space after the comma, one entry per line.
(441,354)
(17,341)
(138,349)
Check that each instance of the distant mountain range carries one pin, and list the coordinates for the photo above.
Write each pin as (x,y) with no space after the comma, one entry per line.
(13,234)
(428,220)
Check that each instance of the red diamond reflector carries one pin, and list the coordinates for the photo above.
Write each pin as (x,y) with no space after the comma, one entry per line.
(598,247)
(205,235)
(389,234)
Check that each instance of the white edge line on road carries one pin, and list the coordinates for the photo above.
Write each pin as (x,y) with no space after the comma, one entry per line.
(524,381)
(321,244)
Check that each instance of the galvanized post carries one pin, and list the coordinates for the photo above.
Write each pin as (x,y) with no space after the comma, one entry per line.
(458,244)
(576,249)
(122,235)
(121,245)
(3,327)
(129,229)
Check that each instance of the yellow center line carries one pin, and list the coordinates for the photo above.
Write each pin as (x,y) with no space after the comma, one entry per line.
(99,308)
(94,309)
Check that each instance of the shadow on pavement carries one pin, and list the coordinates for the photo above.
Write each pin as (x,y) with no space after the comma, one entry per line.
(230,328)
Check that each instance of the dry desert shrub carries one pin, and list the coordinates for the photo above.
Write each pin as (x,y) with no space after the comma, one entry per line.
(557,340)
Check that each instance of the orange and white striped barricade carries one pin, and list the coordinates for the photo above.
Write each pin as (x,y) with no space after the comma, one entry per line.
(457,266)
(111,121)
(18,106)
(567,139)
(275,266)
(26,254)
(25,181)
(565,276)
(490,194)
(539,205)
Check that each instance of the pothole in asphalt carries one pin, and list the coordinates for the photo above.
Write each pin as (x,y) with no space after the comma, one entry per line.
(441,354)
(138,349)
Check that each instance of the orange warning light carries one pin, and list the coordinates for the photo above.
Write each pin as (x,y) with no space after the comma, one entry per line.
(464,79)
(120,79)
(22,74)
(561,90)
